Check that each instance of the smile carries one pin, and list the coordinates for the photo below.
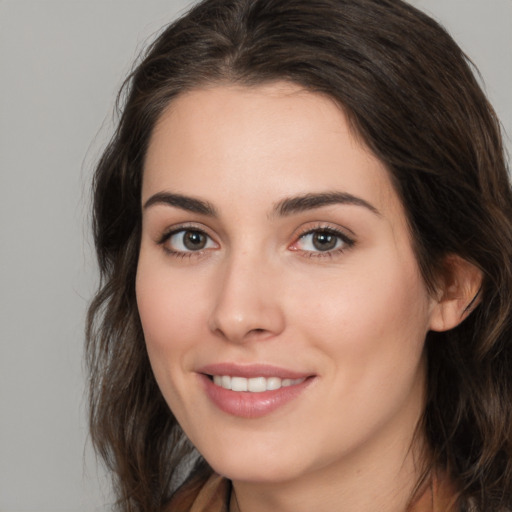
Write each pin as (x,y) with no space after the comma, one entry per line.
(254,384)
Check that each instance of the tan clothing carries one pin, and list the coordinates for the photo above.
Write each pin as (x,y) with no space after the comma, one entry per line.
(214,496)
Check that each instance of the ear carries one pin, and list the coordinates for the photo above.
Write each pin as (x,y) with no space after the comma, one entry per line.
(458,293)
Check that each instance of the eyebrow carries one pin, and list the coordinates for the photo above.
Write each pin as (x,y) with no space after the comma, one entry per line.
(283,208)
(306,202)
(187,203)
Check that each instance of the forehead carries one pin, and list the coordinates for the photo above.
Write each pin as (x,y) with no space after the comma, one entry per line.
(267,141)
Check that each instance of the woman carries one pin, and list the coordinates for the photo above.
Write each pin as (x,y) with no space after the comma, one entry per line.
(303,224)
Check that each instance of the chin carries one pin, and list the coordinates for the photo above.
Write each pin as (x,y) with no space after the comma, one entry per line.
(257,468)
(267,475)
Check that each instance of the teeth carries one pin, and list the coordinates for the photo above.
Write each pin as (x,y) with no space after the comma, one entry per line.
(273,383)
(238,384)
(257,385)
(254,384)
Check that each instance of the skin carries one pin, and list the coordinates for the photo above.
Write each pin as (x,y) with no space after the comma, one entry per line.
(355,317)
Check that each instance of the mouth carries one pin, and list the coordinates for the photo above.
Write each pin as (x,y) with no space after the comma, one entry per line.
(252,391)
(253,384)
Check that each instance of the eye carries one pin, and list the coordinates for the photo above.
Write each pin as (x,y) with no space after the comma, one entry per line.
(322,240)
(187,240)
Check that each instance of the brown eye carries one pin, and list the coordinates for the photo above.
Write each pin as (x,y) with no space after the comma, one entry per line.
(324,241)
(188,240)
(194,240)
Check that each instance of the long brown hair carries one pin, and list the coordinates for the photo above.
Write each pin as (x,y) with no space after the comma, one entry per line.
(410,95)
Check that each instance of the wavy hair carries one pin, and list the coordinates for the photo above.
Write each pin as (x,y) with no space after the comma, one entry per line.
(411,96)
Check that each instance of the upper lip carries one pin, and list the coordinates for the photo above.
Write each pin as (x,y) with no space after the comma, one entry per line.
(251,370)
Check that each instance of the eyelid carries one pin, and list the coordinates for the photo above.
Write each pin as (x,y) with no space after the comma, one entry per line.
(187,226)
(184,226)
(309,229)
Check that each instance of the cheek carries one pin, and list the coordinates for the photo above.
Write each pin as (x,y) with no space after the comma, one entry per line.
(170,307)
(372,327)
(168,303)
(376,318)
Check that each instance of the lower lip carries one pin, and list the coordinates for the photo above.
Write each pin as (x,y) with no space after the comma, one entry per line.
(245,404)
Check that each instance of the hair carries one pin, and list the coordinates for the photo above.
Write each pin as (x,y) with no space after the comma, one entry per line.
(410,95)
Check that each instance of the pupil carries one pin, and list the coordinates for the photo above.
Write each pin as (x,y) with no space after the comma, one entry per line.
(194,240)
(324,241)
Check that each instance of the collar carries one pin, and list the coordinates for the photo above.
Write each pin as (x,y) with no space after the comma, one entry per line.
(213,496)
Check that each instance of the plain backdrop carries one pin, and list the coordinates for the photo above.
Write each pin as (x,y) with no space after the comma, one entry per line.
(61,64)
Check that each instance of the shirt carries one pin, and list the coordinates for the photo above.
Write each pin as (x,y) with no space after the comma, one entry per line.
(214,494)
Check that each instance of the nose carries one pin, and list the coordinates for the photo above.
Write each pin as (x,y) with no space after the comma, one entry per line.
(247,303)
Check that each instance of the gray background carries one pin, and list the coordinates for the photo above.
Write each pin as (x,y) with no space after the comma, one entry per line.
(61,64)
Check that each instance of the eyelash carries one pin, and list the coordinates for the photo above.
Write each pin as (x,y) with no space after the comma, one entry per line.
(346,242)
(183,229)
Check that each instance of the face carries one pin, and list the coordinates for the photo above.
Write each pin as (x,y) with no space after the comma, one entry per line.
(280,298)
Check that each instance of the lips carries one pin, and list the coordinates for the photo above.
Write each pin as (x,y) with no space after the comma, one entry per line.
(252,391)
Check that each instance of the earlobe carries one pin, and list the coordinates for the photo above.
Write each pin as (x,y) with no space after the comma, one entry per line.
(459,293)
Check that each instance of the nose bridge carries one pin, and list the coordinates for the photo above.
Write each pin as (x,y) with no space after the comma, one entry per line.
(247,302)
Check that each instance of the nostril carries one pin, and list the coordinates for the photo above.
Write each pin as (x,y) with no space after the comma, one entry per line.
(257,334)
